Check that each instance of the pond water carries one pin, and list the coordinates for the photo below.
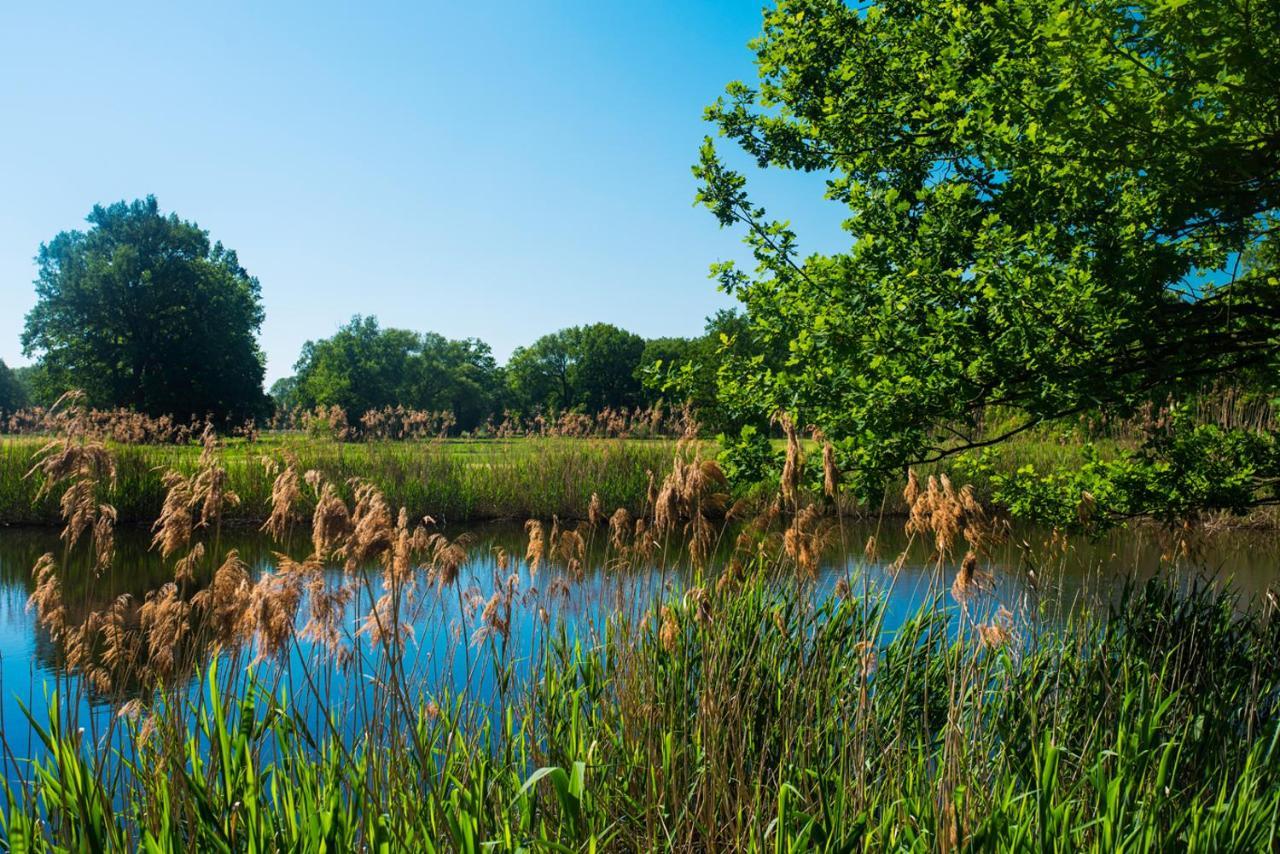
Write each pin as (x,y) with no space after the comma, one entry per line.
(1030,574)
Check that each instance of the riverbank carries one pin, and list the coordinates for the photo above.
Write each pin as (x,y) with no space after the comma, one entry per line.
(471,480)
(450,480)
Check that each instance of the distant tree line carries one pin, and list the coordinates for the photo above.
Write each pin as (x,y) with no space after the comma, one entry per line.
(143,311)
(365,366)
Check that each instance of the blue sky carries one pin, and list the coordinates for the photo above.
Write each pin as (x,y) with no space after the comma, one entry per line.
(497,170)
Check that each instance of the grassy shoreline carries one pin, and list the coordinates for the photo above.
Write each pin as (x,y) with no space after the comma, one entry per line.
(373,696)
(450,480)
(469,480)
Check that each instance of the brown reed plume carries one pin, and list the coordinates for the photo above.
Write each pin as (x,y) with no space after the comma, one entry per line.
(286,492)
(793,464)
(806,538)
(85,469)
(620,529)
(537,548)
(947,515)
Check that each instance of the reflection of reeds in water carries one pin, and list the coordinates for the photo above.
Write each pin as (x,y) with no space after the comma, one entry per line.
(744,709)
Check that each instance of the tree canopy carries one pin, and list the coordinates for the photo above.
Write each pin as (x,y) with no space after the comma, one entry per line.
(13,395)
(1052,207)
(583,367)
(364,367)
(142,311)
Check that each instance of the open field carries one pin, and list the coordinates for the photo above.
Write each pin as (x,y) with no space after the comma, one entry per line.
(452,480)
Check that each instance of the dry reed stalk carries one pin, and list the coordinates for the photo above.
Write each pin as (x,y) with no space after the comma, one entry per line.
(537,547)
(793,464)
(620,529)
(830,472)
(806,539)
(286,492)
(595,511)
(331,521)
(226,602)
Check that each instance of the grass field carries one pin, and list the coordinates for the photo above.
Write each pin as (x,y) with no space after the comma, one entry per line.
(451,480)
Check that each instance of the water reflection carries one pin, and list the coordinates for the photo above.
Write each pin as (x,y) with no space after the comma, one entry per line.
(1031,575)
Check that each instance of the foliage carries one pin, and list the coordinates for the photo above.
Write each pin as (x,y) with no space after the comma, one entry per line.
(284,394)
(1175,473)
(688,370)
(749,458)
(13,394)
(363,367)
(386,692)
(143,311)
(1052,206)
(583,368)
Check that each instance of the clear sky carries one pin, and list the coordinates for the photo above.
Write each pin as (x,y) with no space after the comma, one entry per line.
(487,169)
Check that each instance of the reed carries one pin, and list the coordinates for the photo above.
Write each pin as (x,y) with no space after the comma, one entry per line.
(453,480)
(746,707)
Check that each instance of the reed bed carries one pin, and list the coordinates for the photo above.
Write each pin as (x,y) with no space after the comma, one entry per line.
(453,480)
(738,702)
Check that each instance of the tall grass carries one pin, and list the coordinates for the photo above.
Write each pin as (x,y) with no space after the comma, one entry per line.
(765,720)
(750,706)
(453,480)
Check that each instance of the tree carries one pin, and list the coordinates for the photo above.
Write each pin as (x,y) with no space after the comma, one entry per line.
(141,311)
(13,395)
(364,367)
(1053,207)
(361,367)
(538,376)
(583,367)
(284,393)
(606,360)
(688,370)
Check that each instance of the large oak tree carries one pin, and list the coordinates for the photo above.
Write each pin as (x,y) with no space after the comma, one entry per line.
(1052,206)
(141,310)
